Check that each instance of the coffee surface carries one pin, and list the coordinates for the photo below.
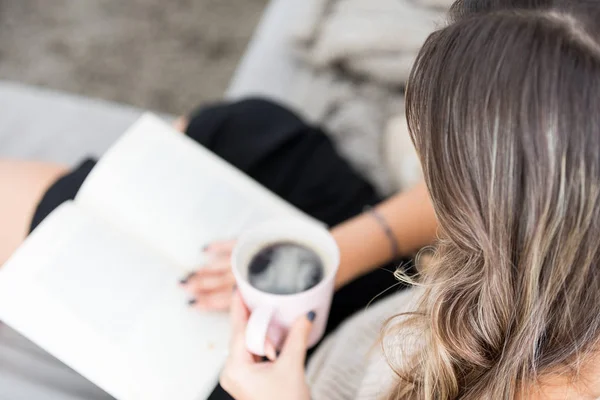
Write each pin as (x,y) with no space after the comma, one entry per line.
(285,268)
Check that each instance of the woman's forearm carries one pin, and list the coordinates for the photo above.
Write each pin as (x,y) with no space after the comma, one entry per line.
(364,244)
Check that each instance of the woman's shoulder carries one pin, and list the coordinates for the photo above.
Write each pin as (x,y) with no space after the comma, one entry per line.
(378,312)
(347,359)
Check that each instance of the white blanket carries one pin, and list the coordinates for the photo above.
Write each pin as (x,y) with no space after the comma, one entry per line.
(377,39)
(361,52)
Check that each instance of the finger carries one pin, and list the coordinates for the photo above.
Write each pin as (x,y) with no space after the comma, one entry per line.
(294,349)
(181,123)
(215,264)
(220,246)
(210,283)
(239,315)
(187,277)
(214,301)
(270,352)
(239,320)
(212,267)
(216,260)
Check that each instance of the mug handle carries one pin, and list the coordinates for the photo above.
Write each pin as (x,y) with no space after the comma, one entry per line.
(256,330)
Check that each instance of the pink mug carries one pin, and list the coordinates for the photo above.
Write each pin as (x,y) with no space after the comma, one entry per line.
(273,314)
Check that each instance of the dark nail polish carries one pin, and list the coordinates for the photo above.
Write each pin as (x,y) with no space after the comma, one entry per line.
(185,280)
(191,302)
(311,316)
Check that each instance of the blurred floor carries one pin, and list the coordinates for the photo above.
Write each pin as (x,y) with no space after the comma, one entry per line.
(164,55)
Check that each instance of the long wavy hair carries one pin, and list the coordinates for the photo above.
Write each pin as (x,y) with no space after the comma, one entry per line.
(504,111)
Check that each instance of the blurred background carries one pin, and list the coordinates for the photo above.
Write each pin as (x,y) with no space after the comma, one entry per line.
(163,55)
(339,64)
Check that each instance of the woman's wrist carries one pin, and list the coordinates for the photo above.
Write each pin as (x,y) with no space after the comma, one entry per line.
(386,229)
(363,246)
(342,276)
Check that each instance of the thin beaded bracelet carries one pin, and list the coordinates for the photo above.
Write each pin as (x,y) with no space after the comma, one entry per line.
(387,229)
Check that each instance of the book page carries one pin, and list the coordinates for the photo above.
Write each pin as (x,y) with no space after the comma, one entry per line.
(164,187)
(111,309)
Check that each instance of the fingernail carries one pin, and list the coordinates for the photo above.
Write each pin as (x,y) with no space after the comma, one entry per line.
(311,316)
(191,302)
(185,280)
(270,352)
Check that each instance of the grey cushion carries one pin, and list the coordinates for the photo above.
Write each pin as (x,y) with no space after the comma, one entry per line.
(29,373)
(270,68)
(46,125)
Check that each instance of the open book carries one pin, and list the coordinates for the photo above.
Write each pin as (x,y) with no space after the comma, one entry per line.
(96,284)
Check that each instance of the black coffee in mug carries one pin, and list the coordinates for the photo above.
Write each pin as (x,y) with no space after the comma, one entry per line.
(285,268)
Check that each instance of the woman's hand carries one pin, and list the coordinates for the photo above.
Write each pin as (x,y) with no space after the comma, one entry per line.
(212,284)
(246,378)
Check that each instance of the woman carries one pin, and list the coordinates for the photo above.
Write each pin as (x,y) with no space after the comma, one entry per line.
(466,314)
(294,160)
(502,108)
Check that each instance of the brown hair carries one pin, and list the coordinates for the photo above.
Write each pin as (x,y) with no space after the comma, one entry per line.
(468,8)
(503,108)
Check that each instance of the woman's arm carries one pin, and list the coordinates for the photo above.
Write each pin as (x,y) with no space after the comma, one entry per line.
(364,244)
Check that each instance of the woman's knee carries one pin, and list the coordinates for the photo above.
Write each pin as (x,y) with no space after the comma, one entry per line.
(22,185)
(254,117)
